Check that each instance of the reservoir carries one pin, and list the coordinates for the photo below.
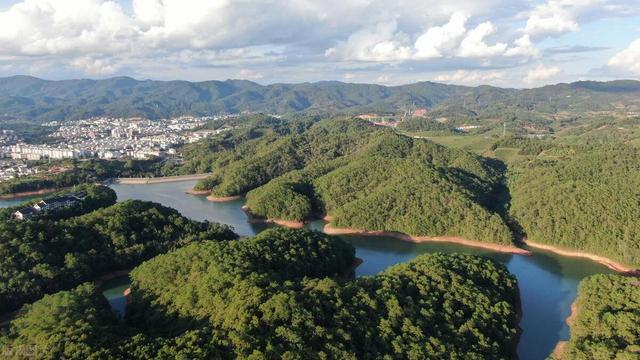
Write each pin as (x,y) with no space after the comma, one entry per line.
(548,282)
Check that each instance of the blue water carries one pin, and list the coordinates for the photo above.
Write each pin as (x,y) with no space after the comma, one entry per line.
(14,202)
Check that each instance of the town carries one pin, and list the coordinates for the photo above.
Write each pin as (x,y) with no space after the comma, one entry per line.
(104,138)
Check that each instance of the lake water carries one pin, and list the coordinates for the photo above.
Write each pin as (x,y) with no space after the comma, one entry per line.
(548,282)
(13,202)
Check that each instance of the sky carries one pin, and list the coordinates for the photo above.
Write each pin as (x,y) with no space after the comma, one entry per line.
(508,43)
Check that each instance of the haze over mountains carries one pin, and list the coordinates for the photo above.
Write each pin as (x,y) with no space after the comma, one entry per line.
(30,98)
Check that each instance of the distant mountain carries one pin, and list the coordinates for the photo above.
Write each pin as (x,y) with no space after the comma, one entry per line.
(30,98)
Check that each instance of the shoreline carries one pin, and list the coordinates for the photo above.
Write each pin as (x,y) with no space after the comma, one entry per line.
(198,192)
(330,230)
(611,264)
(223,198)
(159,179)
(561,346)
(350,271)
(27,193)
(286,223)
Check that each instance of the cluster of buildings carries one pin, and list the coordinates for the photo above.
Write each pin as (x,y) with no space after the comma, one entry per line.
(7,137)
(112,138)
(50,204)
(392,120)
(10,169)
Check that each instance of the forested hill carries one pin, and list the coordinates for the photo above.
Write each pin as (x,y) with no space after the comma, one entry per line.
(29,98)
(280,295)
(362,176)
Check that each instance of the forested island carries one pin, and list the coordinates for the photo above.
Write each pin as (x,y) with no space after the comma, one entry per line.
(281,294)
(74,245)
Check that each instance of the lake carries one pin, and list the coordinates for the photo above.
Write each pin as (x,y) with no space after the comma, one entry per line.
(548,282)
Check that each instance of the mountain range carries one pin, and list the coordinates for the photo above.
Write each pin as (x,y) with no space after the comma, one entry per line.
(30,98)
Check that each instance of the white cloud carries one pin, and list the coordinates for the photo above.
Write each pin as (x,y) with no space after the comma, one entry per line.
(284,40)
(628,59)
(473,44)
(383,79)
(379,43)
(349,76)
(557,17)
(91,66)
(552,18)
(523,47)
(475,77)
(248,74)
(384,43)
(541,73)
(440,40)
(45,27)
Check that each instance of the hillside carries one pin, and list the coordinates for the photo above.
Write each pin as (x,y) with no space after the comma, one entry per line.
(363,177)
(28,98)
(582,197)
(281,294)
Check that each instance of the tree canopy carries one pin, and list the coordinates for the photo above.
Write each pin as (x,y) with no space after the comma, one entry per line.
(586,198)
(42,255)
(364,177)
(282,294)
(607,323)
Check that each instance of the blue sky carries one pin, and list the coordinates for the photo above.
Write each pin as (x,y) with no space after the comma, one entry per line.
(515,43)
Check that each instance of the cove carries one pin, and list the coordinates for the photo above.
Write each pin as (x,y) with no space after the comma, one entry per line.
(548,282)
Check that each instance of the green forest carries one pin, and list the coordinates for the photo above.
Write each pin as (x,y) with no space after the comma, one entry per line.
(607,325)
(48,254)
(283,294)
(362,176)
(585,198)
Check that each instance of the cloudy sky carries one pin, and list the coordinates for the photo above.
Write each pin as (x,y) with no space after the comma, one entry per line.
(517,43)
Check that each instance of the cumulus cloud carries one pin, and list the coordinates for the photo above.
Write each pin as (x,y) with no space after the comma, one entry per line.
(471,77)
(523,47)
(453,39)
(557,17)
(50,27)
(541,73)
(380,43)
(473,44)
(628,59)
(438,41)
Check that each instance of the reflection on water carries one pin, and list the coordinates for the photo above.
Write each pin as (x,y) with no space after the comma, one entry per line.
(194,207)
(113,291)
(548,282)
